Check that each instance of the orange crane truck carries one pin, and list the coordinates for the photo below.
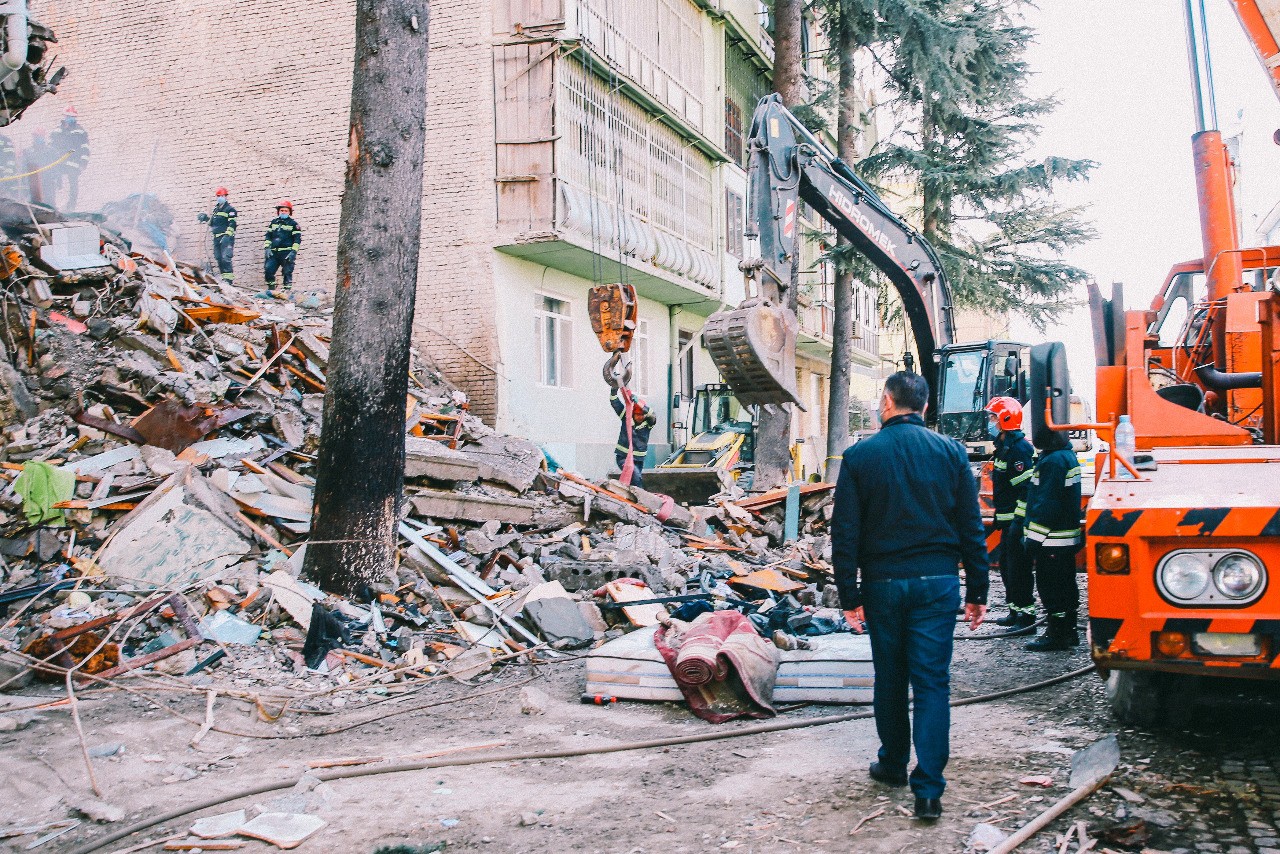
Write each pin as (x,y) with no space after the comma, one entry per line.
(1180,546)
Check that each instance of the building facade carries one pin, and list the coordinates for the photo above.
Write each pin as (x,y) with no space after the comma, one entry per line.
(569,143)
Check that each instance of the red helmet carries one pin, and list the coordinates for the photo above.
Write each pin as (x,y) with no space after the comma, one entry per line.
(221,191)
(286,204)
(70,112)
(1008,412)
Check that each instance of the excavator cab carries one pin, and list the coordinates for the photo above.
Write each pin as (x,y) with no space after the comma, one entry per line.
(720,451)
(969,376)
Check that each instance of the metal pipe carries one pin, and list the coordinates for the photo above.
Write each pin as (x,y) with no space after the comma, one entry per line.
(1206,114)
(16,34)
(1223,381)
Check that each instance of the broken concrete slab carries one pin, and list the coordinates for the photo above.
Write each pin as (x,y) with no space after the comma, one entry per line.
(558,619)
(436,504)
(507,460)
(283,830)
(578,575)
(435,460)
(218,826)
(184,531)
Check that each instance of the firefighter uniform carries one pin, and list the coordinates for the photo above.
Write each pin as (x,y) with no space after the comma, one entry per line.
(283,240)
(1053,535)
(71,141)
(1012,470)
(223,224)
(636,440)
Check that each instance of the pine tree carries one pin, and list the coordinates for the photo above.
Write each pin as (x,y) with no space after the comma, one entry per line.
(957,71)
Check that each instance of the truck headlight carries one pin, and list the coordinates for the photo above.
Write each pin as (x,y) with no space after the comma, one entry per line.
(1185,576)
(1237,575)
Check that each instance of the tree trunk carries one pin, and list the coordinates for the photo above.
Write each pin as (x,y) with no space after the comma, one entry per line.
(773,433)
(847,126)
(360,466)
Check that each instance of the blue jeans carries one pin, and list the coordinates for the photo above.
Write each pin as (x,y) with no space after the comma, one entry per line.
(911,622)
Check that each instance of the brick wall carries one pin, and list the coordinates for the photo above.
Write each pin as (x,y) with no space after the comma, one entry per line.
(181,96)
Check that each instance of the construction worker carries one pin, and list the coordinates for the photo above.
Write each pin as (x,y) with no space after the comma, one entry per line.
(633,434)
(1012,468)
(1052,537)
(283,240)
(71,141)
(223,224)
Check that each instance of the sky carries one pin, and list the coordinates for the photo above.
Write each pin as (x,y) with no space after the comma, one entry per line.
(1119,70)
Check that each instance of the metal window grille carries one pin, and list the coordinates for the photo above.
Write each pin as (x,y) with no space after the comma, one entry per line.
(657,43)
(665,181)
(734,210)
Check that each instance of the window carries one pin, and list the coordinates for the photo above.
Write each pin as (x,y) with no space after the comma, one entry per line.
(733,225)
(686,364)
(641,360)
(553,337)
(733,131)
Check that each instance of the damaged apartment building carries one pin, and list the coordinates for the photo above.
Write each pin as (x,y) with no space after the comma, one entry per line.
(570,142)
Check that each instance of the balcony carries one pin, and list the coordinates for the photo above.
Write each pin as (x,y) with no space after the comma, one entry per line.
(587,180)
(816,322)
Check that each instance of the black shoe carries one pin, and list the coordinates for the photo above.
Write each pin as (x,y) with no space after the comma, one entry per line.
(1009,619)
(1059,635)
(928,809)
(1026,619)
(881,774)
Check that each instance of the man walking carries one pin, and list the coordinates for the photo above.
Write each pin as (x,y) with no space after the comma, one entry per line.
(1053,536)
(283,240)
(633,435)
(1014,460)
(906,515)
(223,225)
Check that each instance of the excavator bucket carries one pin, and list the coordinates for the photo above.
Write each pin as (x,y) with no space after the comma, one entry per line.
(754,346)
(613,311)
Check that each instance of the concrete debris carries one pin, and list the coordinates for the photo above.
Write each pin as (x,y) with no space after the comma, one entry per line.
(189,418)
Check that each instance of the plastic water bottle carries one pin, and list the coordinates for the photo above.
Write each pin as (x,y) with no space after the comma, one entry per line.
(1126,446)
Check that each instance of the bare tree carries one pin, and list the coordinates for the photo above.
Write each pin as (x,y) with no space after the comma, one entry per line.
(360,467)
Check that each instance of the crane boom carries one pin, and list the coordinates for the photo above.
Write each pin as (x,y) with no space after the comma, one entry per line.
(1260,20)
(789,164)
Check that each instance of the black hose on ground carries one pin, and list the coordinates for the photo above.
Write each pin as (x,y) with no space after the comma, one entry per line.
(513,756)
(1003,633)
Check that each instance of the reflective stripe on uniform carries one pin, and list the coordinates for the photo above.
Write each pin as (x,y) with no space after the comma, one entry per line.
(1000,465)
(1072,477)
(1018,480)
(1005,517)
(1021,509)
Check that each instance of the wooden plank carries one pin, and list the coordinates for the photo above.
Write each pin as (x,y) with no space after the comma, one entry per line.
(639,615)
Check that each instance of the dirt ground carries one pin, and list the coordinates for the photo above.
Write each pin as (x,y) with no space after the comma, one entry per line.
(1204,788)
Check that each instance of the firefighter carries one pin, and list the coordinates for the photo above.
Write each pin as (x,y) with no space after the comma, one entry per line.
(633,435)
(283,240)
(1011,471)
(1053,535)
(71,141)
(223,224)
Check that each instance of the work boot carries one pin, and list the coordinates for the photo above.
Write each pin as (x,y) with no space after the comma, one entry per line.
(1026,619)
(1060,634)
(928,809)
(267,294)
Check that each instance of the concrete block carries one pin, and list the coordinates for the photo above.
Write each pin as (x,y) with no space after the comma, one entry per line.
(435,460)
(435,504)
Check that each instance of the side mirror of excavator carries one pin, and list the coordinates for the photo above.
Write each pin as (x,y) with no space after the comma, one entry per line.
(1049,381)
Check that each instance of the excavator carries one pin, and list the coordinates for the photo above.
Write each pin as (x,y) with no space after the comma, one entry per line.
(1181,541)
(754,344)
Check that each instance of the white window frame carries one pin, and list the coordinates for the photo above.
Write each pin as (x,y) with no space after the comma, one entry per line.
(560,373)
(642,360)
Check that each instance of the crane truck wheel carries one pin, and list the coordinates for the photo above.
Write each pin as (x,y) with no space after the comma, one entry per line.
(1137,697)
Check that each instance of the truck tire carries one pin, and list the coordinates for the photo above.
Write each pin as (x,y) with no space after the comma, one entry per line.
(1138,698)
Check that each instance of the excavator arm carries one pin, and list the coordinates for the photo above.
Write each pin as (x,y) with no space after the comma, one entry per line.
(754,345)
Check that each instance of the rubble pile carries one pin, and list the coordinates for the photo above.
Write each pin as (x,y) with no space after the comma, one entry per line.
(157,468)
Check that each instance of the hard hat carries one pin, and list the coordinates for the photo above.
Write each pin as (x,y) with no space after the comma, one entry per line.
(1008,412)
(221,191)
(70,112)
(286,204)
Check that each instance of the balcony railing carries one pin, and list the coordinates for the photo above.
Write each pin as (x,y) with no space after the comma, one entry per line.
(626,181)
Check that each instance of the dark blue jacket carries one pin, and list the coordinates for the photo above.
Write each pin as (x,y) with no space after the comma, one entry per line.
(907,506)
(1011,469)
(1053,502)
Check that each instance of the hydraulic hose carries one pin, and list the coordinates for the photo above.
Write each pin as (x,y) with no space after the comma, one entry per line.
(565,753)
